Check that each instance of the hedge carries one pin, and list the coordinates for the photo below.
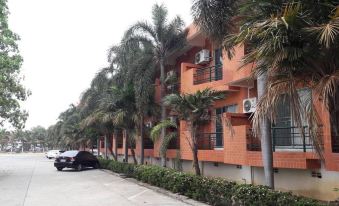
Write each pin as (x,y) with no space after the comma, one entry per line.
(214,191)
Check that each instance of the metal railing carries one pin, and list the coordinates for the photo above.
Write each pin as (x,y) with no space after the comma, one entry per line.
(148,143)
(253,143)
(210,141)
(207,74)
(120,142)
(335,143)
(174,144)
(284,138)
(293,138)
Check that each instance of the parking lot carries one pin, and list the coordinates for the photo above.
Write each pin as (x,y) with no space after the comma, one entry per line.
(32,180)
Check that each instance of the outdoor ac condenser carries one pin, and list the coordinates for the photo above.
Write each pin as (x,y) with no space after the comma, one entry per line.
(249,105)
(202,57)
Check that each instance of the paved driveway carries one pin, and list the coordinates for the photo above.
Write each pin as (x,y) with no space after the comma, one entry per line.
(31,180)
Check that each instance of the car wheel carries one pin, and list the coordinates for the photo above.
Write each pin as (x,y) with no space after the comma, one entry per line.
(59,168)
(96,165)
(49,157)
(79,167)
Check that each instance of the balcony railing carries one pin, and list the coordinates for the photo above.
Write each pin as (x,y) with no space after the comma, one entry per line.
(335,143)
(210,141)
(284,138)
(174,144)
(148,143)
(207,74)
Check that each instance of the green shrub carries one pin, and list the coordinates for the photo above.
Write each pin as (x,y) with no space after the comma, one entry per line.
(215,191)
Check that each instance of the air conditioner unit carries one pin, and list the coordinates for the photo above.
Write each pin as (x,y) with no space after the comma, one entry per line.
(149,124)
(170,73)
(173,118)
(202,57)
(249,105)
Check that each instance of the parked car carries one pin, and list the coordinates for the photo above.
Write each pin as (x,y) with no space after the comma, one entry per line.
(76,159)
(53,153)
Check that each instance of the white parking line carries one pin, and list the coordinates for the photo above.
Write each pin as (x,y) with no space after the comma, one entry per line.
(110,183)
(136,195)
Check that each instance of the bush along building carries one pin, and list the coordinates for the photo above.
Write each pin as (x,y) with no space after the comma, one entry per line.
(226,144)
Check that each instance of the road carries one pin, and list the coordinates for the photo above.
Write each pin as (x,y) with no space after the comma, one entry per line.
(31,180)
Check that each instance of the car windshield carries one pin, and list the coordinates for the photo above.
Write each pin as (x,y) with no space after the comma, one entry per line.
(70,153)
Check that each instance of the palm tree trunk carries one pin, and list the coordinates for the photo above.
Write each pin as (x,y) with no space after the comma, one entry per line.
(110,147)
(194,148)
(126,146)
(105,142)
(115,146)
(134,158)
(266,139)
(142,152)
(163,109)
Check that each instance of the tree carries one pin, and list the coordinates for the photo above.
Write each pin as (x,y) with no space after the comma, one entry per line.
(164,38)
(39,136)
(193,108)
(156,131)
(11,90)
(215,18)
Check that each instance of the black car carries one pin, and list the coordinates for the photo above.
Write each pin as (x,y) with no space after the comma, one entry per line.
(76,159)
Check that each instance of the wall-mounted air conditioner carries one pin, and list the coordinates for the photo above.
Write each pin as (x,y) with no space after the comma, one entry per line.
(171,73)
(173,118)
(149,124)
(249,105)
(202,57)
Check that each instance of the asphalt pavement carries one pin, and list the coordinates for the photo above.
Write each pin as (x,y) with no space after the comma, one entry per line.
(32,180)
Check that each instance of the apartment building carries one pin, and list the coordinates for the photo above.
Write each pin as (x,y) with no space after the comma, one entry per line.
(235,153)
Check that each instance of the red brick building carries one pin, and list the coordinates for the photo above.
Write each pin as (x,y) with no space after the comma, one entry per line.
(237,157)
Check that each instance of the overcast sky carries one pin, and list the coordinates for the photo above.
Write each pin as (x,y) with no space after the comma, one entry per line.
(65,42)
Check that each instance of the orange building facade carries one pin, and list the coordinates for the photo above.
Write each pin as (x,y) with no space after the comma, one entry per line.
(234,153)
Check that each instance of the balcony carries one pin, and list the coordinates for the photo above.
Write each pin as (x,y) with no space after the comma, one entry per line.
(207,74)
(284,139)
(335,143)
(174,144)
(148,143)
(210,141)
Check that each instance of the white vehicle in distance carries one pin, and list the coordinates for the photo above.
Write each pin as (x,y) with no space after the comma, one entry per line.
(53,153)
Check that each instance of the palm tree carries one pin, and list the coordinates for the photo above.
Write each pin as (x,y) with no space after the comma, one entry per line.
(164,38)
(215,18)
(156,131)
(193,108)
(131,61)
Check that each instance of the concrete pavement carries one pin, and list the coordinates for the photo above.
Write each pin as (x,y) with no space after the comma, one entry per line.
(31,180)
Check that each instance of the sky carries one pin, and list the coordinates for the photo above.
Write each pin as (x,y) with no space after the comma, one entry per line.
(65,42)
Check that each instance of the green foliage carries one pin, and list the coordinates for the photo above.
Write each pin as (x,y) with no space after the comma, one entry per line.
(214,191)
(214,17)
(193,107)
(11,90)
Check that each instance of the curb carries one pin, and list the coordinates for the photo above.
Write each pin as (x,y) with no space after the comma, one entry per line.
(179,197)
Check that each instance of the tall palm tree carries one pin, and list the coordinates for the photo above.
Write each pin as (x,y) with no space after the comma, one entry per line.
(164,37)
(132,61)
(193,108)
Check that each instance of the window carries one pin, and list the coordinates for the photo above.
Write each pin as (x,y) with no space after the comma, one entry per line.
(230,108)
(218,63)
(284,130)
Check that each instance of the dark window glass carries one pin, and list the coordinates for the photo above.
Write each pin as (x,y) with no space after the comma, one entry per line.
(72,153)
